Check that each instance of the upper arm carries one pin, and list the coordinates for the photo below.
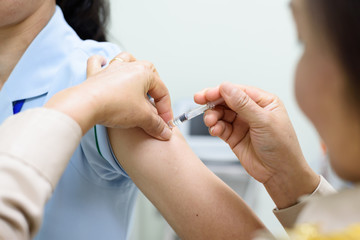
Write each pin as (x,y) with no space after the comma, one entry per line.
(195,202)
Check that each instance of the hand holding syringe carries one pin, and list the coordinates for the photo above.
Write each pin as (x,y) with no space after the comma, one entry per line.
(193,113)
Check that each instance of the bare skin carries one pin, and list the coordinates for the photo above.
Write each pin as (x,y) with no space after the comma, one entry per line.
(22,20)
(258,130)
(256,126)
(195,202)
(18,29)
(104,97)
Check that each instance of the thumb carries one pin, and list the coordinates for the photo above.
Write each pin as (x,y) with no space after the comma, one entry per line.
(155,126)
(238,101)
(94,65)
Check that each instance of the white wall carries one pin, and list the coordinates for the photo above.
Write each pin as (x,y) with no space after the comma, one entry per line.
(201,43)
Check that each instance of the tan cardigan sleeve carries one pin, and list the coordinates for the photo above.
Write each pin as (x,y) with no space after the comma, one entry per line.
(287,216)
(35,147)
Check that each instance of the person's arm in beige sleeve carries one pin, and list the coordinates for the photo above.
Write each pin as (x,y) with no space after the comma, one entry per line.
(36,145)
(34,149)
(288,216)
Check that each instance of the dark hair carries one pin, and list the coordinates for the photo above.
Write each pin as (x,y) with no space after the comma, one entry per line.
(340,19)
(87,17)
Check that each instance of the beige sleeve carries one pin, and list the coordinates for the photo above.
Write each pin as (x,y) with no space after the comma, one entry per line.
(287,216)
(35,147)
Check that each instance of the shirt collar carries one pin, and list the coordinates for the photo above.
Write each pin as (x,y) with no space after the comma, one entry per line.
(32,76)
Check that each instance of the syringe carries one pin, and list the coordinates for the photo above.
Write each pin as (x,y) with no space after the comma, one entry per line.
(193,113)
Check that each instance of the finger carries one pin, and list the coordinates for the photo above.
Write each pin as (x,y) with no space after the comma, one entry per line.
(219,113)
(211,117)
(207,95)
(229,115)
(222,130)
(239,132)
(261,97)
(155,126)
(158,90)
(94,65)
(238,101)
(126,57)
(213,94)
(200,98)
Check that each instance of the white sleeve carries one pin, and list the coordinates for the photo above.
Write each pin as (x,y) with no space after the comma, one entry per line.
(35,147)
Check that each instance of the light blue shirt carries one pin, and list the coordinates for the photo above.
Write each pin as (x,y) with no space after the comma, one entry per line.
(95,197)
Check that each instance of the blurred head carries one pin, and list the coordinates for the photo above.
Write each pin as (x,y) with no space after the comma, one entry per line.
(327,80)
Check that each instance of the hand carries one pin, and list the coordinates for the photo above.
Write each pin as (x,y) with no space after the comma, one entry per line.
(116,96)
(257,128)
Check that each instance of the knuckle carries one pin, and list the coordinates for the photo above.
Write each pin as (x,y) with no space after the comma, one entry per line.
(142,65)
(242,101)
(154,124)
(140,69)
(277,99)
(165,90)
(148,65)
(146,69)
(125,54)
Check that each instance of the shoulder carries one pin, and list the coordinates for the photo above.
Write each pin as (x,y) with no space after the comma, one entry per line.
(88,48)
(333,212)
(91,47)
(72,70)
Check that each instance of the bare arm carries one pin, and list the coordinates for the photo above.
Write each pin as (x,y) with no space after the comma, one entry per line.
(195,202)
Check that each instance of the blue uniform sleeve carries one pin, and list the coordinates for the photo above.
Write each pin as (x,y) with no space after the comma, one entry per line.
(99,154)
(95,144)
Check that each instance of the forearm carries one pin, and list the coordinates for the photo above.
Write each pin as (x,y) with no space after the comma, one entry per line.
(196,203)
(31,163)
(21,213)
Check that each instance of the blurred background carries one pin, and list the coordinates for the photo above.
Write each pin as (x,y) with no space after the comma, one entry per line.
(200,43)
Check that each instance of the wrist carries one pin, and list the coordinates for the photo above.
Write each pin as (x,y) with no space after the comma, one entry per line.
(286,188)
(77,104)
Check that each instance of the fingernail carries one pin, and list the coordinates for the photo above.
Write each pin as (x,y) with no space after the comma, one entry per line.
(166,133)
(211,130)
(205,117)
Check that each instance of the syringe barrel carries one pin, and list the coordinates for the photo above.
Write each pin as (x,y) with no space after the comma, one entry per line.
(196,112)
(193,113)
(214,103)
